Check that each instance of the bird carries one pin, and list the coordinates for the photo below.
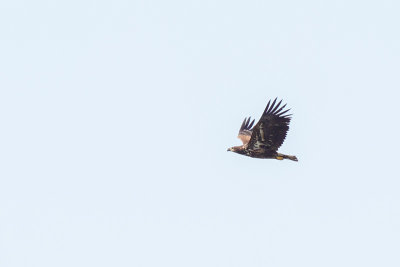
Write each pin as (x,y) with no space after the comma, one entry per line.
(263,140)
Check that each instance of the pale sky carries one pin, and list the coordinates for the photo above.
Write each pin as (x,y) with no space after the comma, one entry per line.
(116,116)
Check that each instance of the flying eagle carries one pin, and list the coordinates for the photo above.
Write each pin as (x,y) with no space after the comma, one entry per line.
(264,139)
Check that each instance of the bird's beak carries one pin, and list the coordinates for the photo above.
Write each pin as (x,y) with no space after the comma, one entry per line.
(229,149)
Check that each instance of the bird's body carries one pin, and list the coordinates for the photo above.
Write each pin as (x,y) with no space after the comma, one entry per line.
(259,153)
(264,139)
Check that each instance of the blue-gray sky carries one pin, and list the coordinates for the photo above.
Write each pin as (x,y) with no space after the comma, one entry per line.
(116,116)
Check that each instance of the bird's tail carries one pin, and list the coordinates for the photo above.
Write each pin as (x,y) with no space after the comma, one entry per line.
(283,156)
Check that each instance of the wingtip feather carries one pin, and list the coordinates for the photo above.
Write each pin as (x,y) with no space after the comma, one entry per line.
(276,107)
(251,124)
(272,105)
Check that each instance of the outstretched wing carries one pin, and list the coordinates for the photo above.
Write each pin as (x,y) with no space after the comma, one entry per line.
(270,131)
(245,130)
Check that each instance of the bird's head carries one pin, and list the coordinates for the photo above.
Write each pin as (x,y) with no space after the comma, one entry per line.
(236,149)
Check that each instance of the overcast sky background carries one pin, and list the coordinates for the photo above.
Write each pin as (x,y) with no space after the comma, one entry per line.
(116,116)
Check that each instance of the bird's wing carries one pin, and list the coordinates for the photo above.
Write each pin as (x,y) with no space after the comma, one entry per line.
(270,131)
(245,130)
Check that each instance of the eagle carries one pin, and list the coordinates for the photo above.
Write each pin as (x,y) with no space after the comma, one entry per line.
(263,140)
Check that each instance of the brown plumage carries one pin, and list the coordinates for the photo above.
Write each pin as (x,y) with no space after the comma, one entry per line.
(264,139)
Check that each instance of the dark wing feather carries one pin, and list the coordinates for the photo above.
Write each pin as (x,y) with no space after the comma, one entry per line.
(245,130)
(270,131)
